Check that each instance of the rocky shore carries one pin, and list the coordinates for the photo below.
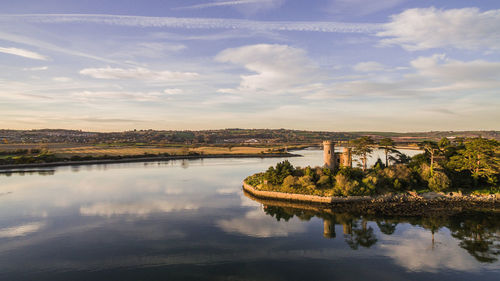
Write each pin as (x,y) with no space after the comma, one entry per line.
(403,204)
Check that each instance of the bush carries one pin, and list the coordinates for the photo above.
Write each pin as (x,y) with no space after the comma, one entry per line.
(344,186)
(439,181)
(307,182)
(324,181)
(289,181)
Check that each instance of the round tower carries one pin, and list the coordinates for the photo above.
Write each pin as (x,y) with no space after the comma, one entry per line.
(329,154)
(347,157)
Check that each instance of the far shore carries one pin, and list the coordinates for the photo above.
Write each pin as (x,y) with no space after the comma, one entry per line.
(144,159)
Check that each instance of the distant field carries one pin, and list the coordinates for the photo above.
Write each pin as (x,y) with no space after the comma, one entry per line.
(68,150)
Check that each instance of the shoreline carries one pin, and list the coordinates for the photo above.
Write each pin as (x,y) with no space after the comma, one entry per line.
(407,204)
(143,159)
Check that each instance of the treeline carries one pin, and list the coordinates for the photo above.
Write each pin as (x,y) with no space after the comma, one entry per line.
(469,165)
(20,151)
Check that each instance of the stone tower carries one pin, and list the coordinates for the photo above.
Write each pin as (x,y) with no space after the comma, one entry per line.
(329,154)
(346,157)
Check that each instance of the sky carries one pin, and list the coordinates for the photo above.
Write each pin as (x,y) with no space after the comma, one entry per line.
(330,65)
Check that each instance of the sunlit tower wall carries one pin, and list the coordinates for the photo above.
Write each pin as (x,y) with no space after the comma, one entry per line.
(329,154)
(346,157)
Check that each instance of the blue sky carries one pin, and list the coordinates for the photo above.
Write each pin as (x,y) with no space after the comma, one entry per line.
(337,65)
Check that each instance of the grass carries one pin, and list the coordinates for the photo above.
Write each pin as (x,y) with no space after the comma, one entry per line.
(125,150)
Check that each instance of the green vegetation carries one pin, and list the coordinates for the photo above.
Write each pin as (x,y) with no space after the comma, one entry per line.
(387,144)
(470,166)
(362,147)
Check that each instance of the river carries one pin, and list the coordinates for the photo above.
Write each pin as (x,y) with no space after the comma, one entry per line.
(189,220)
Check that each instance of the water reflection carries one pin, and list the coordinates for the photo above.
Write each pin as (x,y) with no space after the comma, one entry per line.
(166,221)
(43,172)
(478,232)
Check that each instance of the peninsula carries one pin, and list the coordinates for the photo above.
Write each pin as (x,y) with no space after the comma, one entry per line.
(460,173)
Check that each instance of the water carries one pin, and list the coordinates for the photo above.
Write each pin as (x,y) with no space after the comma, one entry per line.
(190,220)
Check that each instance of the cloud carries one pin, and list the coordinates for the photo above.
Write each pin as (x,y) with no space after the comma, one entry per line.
(92,96)
(107,120)
(36,68)
(173,91)
(361,7)
(23,53)
(48,46)
(227,3)
(431,76)
(136,73)
(21,230)
(427,28)
(146,50)
(278,68)
(62,79)
(452,75)
(196,23)
(368,66)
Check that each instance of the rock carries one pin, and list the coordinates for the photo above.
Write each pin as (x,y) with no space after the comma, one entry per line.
(431,195)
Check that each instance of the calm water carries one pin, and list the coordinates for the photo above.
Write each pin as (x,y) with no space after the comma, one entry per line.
(190,220)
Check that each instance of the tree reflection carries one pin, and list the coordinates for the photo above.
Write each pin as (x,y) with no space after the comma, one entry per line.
(387,226)
(361,235)
(477,232)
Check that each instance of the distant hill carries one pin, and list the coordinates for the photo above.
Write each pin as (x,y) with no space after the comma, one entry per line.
(223,136)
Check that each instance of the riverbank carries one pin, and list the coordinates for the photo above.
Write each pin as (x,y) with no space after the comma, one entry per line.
(405,204)
(144,159)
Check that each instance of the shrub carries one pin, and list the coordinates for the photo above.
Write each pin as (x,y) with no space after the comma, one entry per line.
(344,186)
(324,181)
(370,182)
(307,182)
(289,181)
(439,181)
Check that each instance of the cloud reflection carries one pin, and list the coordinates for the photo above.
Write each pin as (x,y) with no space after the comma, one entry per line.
(139,209)
(21,230)
(414,251)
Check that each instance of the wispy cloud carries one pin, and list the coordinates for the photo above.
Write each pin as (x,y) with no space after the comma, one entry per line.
(136,73)
(197,23)
(361,7)
(49,46)
(22,53)
(223,3)
(36,68)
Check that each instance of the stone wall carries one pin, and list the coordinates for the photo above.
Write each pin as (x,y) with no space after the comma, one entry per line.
(301,197)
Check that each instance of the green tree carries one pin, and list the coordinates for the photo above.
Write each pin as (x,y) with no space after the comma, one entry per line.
(387,144)
(362,147)
(430,147)
(479,157)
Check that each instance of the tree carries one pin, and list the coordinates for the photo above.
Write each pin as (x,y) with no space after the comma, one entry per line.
(479,157)
(431,148)
(362,147)
(386,144)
